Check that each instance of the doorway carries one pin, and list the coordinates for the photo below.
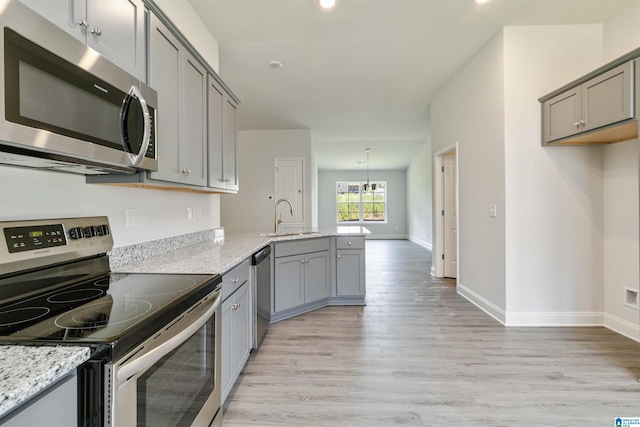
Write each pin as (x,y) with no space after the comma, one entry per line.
(446,237)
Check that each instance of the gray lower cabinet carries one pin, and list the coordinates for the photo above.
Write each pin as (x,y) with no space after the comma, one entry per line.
(350,266)
(601,101)
(181,83)
(301,279)
(114,28)
(236,325)
(54,407)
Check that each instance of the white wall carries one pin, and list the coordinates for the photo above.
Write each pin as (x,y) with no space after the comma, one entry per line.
(622,32)
(396,226)
(420,197)
(470,110)
(621,213)
(251,209)
(554,205)
(26,193)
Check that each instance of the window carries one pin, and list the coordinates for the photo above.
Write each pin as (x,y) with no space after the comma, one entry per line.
(354,204)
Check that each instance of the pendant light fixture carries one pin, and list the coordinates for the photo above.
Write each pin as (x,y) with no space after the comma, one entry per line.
(366,187)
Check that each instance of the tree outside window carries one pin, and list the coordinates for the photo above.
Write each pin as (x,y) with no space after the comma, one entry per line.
(354,204)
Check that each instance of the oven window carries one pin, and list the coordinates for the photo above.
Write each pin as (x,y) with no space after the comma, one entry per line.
(175,389)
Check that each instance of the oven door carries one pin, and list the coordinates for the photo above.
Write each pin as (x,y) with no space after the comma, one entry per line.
(173,378)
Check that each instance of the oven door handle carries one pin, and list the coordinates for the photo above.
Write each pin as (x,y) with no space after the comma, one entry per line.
(154,354)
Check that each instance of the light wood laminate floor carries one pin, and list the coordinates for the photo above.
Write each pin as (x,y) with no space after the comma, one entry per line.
(418,354)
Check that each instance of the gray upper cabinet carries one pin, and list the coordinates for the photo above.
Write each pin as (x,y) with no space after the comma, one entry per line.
(600,102)
(181,84)
(223,168)
(114,28)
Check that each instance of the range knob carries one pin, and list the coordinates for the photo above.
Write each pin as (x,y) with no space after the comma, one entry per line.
(89,231)
(102,230)
(76,233)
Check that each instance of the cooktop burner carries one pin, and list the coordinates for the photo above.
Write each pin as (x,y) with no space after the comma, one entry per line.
(56,287)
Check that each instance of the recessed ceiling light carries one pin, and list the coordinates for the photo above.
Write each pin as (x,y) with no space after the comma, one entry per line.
(276,64)
(482,1)
(327,4)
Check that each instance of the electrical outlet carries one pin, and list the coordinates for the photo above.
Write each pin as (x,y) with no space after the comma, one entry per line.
(130,218)
(493,211)
(189,214)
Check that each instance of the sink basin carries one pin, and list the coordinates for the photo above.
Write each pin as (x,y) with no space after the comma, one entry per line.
(288,233)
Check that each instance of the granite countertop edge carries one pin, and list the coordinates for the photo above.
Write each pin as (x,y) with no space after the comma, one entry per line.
(26,370)
(220,256)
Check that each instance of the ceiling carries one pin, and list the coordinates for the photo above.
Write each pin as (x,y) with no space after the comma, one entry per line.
(362,75)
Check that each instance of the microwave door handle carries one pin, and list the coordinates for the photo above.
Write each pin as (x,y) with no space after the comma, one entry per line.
(134,93)
(151,357)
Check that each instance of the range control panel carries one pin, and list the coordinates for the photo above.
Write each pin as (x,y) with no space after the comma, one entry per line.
(21,239)
(37,243)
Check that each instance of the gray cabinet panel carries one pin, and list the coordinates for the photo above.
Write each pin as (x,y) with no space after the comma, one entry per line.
(216,135)
(561,115)
(289,282)
(316,276)
(117,30)
(608,98)
(194,126)
(236,336)
(350,270)
(114,28)
(229,153)
(164,76)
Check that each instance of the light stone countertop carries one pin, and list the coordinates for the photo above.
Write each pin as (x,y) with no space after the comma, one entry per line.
(28,370)
(214,257)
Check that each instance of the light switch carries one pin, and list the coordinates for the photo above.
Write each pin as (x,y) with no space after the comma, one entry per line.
(493,211)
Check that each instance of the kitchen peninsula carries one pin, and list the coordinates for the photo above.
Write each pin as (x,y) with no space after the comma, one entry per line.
(202,253)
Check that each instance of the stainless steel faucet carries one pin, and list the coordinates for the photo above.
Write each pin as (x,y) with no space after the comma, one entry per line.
(278,220)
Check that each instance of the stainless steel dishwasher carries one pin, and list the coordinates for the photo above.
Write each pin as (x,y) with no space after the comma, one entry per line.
(261,289)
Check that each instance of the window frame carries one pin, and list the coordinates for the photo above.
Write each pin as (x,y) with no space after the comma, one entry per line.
(361,202)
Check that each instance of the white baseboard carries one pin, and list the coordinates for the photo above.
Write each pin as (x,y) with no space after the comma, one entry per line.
(485,305)
(554,319)
(421,242)
(622,327)
(551,319)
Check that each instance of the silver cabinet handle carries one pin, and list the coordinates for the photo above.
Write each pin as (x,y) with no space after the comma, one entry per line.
(84,22)
(349,243)
(582,122)
(236,280)
(235,306)
(97,31)
(338,256)
(577,124)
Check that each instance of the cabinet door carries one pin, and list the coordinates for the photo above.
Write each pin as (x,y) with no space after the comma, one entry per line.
(241,339)
(226,374)
(193,148)
(350,273)
(316,276)
(229,154)
(216,117)
(561,115)
(164,77)
(289,280)
(608,98)
(65,14)
(117,30)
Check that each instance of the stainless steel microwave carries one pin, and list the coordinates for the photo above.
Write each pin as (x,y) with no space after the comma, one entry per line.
(65,107)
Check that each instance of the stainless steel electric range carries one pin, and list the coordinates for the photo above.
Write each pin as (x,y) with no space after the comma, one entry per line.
(154,338)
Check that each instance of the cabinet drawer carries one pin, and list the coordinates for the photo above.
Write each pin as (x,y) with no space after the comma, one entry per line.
(301,247)
(350,242)
(234,278)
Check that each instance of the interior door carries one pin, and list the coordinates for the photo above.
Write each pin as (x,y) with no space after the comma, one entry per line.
(450,216)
